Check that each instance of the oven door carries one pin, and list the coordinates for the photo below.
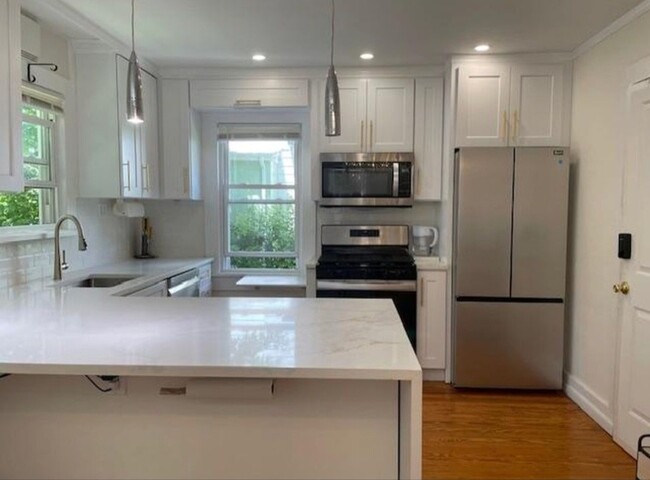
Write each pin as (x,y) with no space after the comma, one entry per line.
(402,293)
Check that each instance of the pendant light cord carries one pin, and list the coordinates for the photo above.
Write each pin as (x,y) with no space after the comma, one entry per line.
(133,25)
(332,35)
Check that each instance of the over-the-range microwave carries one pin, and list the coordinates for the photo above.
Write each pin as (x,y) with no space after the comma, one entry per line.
(366,179)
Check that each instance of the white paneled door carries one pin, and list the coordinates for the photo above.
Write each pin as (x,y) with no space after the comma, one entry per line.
(390,114)
(633,406)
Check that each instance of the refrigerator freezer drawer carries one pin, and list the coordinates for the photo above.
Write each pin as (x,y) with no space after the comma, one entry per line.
(509,345)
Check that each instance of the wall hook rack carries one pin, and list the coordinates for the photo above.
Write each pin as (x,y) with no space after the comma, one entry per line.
(31,78)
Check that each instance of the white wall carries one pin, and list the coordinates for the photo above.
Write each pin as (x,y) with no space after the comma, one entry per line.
(597,146)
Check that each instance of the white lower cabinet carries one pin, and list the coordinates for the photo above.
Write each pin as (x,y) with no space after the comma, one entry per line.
(432,319)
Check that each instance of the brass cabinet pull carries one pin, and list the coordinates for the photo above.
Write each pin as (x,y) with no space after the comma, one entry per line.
(145,177)
(422,292)
(186,179)
(363,134)
(370,145)
(515,126)
(622,287)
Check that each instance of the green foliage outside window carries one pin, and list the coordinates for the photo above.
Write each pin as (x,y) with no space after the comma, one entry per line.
(262,228)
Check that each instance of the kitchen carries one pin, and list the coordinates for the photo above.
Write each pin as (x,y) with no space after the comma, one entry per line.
(260,187)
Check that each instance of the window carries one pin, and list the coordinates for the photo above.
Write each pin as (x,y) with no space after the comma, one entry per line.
(259,196)
(36,205)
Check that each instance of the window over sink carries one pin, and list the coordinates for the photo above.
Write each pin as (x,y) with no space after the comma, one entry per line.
(259,188)
(36,205)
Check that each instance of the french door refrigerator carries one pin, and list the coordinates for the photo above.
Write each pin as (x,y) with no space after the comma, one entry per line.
(511,209)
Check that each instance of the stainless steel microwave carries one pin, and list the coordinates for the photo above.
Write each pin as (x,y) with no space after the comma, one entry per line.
(366,179)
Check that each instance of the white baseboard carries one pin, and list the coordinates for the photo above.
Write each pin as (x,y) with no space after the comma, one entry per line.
(592,404)
(431,375)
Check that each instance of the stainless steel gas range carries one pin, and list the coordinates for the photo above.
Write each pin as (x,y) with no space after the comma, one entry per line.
(369,262)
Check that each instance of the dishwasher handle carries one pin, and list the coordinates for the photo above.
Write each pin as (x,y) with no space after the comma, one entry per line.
(187,284)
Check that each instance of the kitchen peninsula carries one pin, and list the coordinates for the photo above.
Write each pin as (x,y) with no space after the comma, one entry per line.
(208,387)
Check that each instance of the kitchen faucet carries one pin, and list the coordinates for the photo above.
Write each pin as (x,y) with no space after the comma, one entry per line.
(58,265)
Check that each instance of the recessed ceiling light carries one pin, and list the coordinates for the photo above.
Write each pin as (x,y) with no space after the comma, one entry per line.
(258,57)
(484,47)
(367,56)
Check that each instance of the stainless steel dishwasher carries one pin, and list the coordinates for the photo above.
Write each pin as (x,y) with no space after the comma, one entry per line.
(185,284)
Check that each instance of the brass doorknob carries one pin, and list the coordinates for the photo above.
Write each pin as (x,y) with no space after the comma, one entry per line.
(622,287)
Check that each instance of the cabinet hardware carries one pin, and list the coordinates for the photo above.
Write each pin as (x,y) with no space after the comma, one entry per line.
(363,135)
(515,125)
(422,292)
(186,179)
(370,145)
(622,287)
(128,175)
(145,177)
(248,103)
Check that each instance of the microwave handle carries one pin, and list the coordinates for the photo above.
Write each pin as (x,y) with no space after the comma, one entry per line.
(395,179)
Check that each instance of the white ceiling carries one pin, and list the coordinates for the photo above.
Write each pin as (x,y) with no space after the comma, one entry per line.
(296,32)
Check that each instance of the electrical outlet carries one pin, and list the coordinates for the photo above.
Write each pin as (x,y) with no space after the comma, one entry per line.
(103,209)
(118,387)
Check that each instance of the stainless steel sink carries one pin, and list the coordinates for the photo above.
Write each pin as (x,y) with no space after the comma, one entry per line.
(101,281)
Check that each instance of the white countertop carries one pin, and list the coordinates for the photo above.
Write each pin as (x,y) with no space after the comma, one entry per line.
(431,263)
(53,329)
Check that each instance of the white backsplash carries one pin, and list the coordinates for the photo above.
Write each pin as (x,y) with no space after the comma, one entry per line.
(108,237)
(178,229)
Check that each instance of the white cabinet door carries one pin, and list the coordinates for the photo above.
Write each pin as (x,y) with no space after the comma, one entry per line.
(427,146)
(242,93)
(180,142)
(352,93)
(148,141)
(390,115)
(536,98)
(483,103)
(131,181)
(11,160)
(432,319)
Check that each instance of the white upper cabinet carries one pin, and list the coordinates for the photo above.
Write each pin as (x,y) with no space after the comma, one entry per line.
(376,116)
(116,158)
(11,161)
(429,94)
(279,93)
(352,94)
(536,105)
(181,142)
(482,115)
(510,106)
(390,115)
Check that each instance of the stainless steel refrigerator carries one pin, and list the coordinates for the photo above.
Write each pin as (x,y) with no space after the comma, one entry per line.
(511,209)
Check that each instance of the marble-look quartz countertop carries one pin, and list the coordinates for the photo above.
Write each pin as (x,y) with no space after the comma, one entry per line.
(52,328)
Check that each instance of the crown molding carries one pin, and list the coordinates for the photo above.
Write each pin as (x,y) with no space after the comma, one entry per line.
(612,28)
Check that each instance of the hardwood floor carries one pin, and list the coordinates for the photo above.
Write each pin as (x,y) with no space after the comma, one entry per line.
(472,434)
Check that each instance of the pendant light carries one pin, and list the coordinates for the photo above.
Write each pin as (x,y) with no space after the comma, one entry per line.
(332,102)
(134,110)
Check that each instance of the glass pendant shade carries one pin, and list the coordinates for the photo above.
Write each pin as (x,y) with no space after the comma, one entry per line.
(332,105)
(134,110)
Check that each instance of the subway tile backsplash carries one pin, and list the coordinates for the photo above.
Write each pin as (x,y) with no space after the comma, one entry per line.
(109,240)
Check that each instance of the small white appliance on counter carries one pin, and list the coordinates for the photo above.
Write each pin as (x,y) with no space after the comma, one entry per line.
(511,211)
(424,239)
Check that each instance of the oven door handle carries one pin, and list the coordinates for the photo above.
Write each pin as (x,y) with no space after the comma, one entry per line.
(368,285)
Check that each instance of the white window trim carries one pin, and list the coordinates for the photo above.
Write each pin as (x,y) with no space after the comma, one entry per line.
(26,233)
(212,181)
